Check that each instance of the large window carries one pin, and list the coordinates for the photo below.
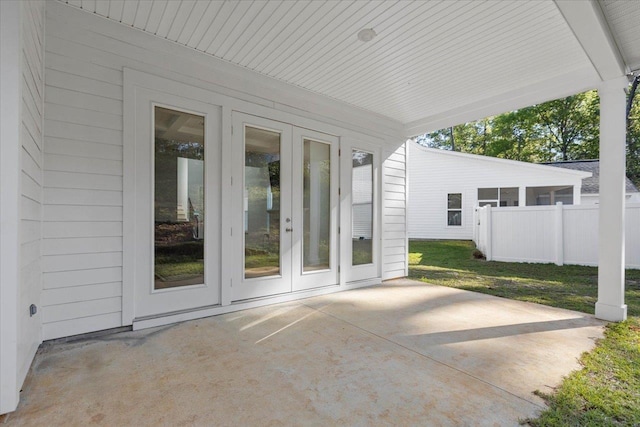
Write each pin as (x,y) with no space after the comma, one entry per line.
(541,196)
(454,209)
(505,196)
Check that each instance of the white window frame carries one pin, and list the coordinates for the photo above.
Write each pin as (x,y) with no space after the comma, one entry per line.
(454,210)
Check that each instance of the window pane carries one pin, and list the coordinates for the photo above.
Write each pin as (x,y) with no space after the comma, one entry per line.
(261,203)
(549,195)
(179,199)
(494,204)
(455,201)
(362,207)
(316,206)
(487,193)
(454,217)
(509,196)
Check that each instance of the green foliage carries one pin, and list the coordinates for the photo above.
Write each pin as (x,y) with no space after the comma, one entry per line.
(633,141)
(563,129)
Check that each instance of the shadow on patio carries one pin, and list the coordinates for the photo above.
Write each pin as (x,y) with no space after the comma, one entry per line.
(400,353)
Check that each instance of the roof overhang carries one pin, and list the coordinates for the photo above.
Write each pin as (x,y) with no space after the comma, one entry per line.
(433,64)
(508,162)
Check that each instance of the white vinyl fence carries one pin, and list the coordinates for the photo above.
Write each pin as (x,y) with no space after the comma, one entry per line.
(549,234)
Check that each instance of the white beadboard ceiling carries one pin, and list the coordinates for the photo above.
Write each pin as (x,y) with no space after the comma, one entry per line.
(429,57)
(624,21)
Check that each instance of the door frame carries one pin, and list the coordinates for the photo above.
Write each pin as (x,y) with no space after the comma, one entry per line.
(331,276)
(272,285)
(149,301)
(352,274)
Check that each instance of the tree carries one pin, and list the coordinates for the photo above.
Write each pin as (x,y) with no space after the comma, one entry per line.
(570,126)
(515,136)
(563,129)
(633,134)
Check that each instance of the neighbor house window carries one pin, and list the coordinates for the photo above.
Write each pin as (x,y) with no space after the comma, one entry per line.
(505,196)
(454,209)
(541,196)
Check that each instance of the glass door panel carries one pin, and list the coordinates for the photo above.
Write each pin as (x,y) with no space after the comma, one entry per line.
(316,196)
(315,208)
(261,203)
(262,207)
(362,207)
(179,208)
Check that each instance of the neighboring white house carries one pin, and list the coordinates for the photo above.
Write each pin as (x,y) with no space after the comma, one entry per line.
(591,185)
(446,186)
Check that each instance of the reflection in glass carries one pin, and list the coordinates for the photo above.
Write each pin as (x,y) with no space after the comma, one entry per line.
(261,203)
(179,199)
(362,207)
(316,206)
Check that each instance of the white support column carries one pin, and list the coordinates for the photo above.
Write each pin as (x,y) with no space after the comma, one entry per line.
(522,195)
(577,194)
(10,101)
(611,255)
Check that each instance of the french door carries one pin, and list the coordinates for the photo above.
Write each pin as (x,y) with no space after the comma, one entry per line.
(286,222)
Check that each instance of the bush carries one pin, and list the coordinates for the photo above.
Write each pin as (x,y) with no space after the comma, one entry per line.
(477,254)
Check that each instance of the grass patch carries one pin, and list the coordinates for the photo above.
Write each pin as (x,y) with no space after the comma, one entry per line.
(606,392)
(451,263)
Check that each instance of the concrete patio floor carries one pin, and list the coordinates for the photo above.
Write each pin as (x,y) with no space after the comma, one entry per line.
(404,353)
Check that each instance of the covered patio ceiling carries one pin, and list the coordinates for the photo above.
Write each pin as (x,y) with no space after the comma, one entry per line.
(432,63)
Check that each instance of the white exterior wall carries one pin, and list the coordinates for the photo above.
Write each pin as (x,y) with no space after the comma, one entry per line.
(21,112)
(394,219)
(83,216)
(29,328)
(435,173)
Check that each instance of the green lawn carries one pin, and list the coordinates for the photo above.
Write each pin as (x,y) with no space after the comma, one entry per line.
(607,390)
(450,263)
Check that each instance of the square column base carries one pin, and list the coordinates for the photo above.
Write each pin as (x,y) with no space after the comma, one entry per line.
(611,313)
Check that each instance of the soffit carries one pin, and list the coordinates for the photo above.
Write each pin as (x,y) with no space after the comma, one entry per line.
(623,18)
(429,56)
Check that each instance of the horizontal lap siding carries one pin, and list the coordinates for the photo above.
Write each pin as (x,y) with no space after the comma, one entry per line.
(82,229)
(31,139)
(394,224)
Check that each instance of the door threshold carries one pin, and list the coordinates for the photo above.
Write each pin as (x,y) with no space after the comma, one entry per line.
(201,312)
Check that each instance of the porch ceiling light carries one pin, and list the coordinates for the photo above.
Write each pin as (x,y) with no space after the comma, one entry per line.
(366,34)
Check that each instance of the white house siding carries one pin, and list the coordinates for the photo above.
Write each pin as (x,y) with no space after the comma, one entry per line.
(82,229)
(435,173)
(394,220)
(29,328)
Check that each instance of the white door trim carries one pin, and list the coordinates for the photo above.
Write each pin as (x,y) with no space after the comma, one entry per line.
(314,279)
(244,289)
(348,272)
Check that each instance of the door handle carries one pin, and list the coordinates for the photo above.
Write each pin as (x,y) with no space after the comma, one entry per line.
(288,229)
